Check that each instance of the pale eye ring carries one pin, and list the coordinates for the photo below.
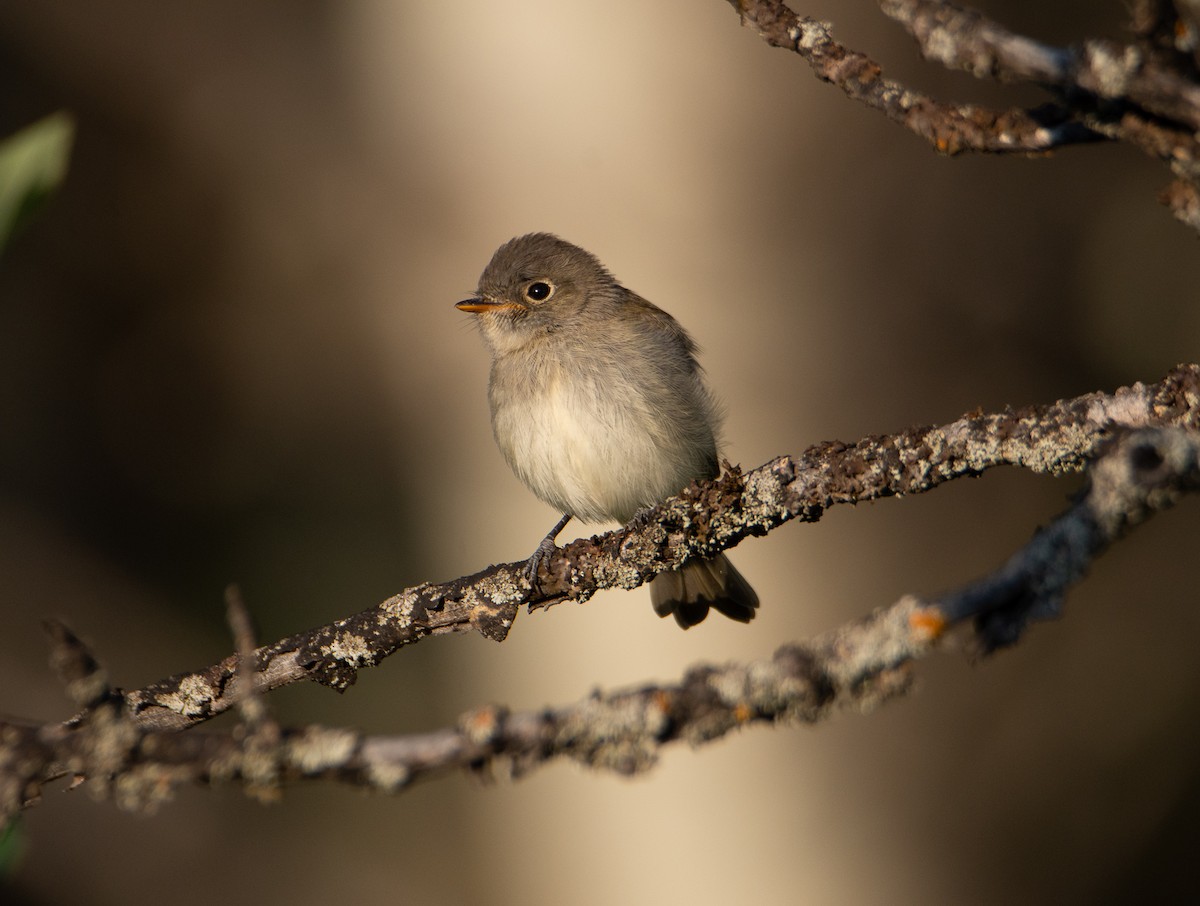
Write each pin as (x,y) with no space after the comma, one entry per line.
(539,290)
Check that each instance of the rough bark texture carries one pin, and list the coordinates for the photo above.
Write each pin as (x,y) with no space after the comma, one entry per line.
(1141,446)
(705,518)
(1144,92)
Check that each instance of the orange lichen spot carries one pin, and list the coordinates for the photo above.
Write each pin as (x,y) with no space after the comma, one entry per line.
(662,701)
(927,623)
(1181,28)
(869,75)
(742,712)
(943,144)
(481,723)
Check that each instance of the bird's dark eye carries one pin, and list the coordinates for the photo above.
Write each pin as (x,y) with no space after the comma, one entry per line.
(539,291)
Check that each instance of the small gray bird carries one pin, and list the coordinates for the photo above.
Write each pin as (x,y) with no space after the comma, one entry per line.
(599,405)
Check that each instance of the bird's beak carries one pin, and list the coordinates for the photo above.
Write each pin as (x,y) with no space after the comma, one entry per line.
(478,305)
(474,305)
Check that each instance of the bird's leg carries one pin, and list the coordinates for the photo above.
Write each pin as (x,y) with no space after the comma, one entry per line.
(544,550)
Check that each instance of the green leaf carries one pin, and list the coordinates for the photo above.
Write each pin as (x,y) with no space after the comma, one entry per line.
(12,842)
(33,164)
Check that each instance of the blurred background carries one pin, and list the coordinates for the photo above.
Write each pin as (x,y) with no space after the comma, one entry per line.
(228,353)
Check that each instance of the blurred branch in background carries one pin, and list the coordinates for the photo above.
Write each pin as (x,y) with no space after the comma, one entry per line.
(1141,447)
(1144,93)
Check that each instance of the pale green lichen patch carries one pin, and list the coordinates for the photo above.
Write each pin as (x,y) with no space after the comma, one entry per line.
(1113,71)
(260,768)
(1128,406)
(782,692)
(731,686)
(349,648)
(193,698)
(617,734)
(143,787)
(810,35)
(619,571)
(1053,458)
(482,725)
(400,607)
(318,748)
(388,777)
(108,743)
(501,589)
(941,46)
(226,764)
(493,600)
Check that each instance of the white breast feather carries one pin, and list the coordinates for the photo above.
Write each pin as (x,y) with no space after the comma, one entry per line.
(596,455)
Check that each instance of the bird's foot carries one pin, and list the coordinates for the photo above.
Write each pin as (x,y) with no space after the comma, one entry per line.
(544,552)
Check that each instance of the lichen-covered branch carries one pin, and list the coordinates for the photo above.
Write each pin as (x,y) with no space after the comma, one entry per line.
(859,665)
(1144,92)
(964,39)
(705,518)
(951,128)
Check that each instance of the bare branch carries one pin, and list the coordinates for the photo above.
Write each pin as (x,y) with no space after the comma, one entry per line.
(704,519)
(950,128)
(1145,93)
(856,666)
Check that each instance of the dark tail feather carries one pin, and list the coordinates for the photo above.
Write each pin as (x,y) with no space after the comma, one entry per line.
(688,593)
